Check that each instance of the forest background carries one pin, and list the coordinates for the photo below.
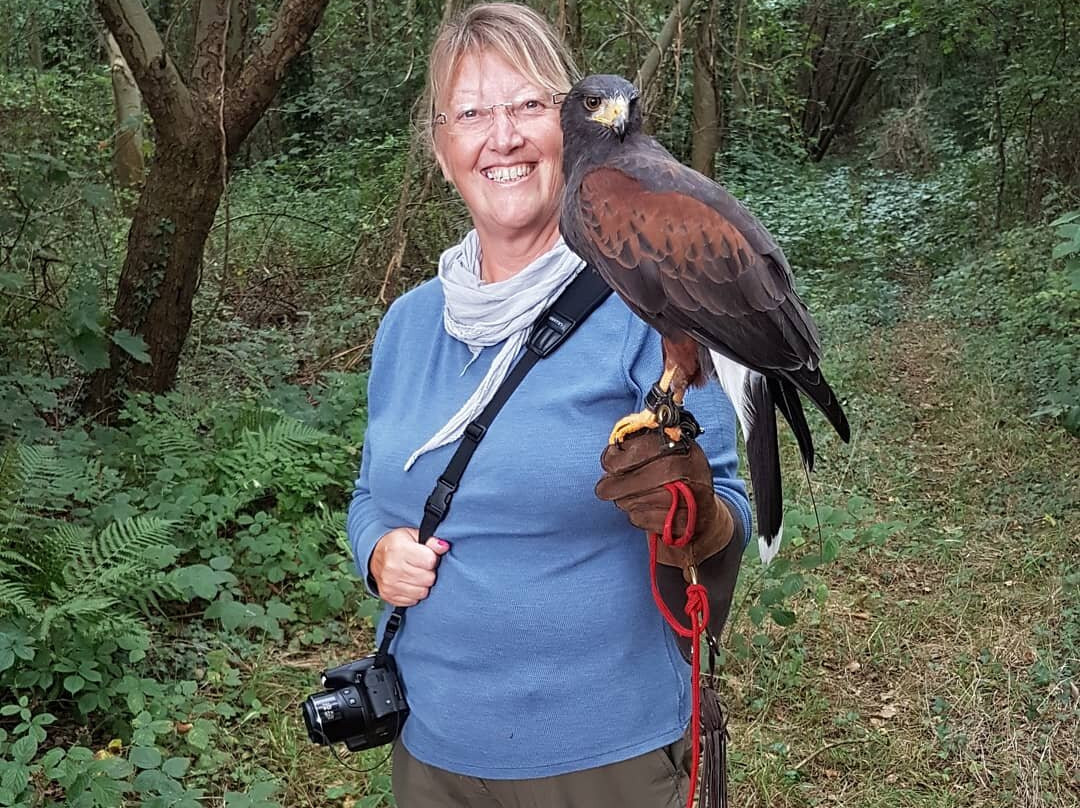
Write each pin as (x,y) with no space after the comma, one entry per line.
(205,207)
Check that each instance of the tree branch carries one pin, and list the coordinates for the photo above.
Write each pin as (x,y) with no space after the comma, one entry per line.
(647,72)
(163,90)
(264,70)
(211,34)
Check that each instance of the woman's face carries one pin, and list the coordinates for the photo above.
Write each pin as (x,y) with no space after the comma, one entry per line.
(510,175)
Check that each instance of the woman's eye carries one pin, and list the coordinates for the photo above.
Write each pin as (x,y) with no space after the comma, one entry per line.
(592,103)
(532,105)
(465,114)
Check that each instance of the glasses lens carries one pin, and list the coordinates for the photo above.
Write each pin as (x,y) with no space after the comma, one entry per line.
(477,120)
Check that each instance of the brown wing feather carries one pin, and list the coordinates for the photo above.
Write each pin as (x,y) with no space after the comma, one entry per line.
(682,261)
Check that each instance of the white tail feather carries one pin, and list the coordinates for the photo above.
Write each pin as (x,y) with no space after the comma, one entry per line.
(768,549)
(732,378)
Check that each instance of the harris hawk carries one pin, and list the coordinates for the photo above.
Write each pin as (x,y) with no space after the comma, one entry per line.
(691,261)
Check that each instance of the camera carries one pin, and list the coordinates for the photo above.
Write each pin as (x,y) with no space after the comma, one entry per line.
(363,705)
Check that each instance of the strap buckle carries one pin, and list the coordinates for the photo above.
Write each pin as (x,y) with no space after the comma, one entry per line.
(438,503)
(549,333)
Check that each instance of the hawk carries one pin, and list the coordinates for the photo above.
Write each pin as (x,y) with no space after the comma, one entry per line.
(691,261)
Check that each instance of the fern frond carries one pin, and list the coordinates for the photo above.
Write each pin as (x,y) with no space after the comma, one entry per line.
(126,541)
(9,559)
(125,629)
(262,449)
(56,549)
(15,598)
(87,610)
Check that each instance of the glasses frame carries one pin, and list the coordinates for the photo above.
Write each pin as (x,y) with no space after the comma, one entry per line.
(441,118)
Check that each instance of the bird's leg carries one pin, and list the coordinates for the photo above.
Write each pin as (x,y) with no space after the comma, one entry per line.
(647,418)
(661,409)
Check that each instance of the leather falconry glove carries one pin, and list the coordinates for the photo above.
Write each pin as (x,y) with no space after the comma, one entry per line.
(635,474)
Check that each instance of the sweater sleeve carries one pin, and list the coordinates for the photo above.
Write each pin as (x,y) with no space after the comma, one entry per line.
(363,524)
(713,410)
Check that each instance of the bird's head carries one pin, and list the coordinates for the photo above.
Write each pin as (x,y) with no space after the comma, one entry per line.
(601,107)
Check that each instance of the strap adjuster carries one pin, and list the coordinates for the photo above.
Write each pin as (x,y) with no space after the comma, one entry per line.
(550,333)
(475,431)
(438,503)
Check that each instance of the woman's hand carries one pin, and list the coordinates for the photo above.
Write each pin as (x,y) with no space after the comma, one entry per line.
(404,569)
(635,473)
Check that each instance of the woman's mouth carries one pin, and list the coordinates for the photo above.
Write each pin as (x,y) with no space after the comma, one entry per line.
(507,175)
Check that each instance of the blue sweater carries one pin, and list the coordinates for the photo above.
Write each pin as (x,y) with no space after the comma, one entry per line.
(539,650)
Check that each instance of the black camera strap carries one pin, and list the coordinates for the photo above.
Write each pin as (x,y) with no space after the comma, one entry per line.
(584,294)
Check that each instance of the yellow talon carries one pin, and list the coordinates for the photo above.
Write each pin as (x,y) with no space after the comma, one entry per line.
(646,419)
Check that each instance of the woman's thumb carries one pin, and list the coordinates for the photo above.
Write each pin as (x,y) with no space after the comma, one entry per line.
(438,545)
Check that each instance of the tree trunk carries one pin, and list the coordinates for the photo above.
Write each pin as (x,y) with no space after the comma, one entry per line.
(128,165)
(706,107)
(171,223)
(200,125)
(33,41)
(647,72)
(573,31)
(860,72)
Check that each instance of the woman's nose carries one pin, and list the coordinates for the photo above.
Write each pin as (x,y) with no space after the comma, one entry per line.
(504,134)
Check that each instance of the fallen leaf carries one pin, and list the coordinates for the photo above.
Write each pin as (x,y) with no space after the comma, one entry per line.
(183,728)
(852,666)
(888,711)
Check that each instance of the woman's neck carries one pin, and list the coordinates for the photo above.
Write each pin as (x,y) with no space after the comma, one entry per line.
(503,257)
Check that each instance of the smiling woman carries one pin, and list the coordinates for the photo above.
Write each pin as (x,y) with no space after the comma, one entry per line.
(537,668)
(492,116)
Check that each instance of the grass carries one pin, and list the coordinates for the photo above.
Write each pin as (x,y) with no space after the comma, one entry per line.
(941,670)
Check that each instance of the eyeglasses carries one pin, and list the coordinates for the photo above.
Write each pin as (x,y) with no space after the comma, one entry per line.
(478,120)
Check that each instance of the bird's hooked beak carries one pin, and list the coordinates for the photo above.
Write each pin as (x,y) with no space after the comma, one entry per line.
(615,114)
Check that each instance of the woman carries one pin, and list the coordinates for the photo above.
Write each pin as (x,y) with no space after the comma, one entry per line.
(538,669)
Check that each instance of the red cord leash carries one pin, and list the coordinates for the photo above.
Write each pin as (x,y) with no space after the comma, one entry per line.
(697,609)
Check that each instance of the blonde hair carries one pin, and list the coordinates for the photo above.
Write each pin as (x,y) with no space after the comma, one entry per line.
(509,30)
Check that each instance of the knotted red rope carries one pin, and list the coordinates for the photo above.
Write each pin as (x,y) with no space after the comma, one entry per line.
(697,609)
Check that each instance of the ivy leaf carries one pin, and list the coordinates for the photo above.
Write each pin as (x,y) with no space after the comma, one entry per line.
(23,750)
(257,796)
(176,767)
(783,617)
(88,350)
(145,757)
(15,780)
(198,737)
(133,344)
(234,614)
(73,683)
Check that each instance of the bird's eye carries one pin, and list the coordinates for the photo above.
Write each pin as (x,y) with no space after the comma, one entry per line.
(592,103)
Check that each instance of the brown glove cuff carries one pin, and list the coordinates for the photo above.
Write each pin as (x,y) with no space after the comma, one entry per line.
(711,535)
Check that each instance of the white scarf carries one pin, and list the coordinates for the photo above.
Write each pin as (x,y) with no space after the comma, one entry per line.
(483,314)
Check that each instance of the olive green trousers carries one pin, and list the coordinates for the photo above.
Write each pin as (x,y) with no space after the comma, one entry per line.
(658,779)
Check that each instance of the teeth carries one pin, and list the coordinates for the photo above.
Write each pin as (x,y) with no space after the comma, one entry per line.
(508,173)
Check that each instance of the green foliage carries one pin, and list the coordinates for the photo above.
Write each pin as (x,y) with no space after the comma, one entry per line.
(230,509)
(1025,305)
(782,599)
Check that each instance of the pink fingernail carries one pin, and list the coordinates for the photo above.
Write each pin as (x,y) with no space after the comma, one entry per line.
(442,543)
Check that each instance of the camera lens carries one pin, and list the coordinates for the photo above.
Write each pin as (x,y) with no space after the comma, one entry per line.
(322,717)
